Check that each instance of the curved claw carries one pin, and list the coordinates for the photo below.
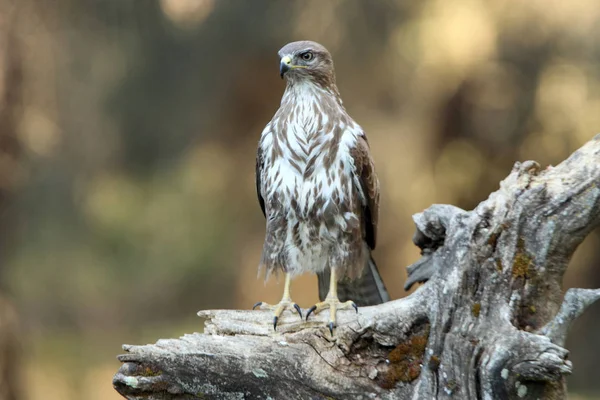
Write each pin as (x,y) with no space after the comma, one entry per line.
(310,310)
(297,307)
(257,305)
(331,326)
(275,323)
(355,306)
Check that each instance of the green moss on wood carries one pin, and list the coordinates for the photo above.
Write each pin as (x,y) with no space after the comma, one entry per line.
(434,363)
(523,264)
(532,309)
(405,360)
(499,265)
(146,370)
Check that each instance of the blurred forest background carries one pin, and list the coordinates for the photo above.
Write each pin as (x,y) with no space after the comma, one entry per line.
(128,132)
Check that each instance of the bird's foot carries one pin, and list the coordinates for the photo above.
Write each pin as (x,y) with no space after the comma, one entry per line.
(285,303)
(334,304)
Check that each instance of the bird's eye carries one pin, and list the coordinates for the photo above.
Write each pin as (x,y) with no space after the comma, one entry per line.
(307,56)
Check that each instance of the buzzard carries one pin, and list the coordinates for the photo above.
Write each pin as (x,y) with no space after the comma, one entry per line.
(318,190)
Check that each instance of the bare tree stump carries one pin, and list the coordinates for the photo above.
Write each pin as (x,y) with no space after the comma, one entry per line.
(487,324)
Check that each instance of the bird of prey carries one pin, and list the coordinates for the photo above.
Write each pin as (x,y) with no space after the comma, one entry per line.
(318,190)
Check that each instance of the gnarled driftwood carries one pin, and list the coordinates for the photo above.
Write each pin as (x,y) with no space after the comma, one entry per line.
(487,324)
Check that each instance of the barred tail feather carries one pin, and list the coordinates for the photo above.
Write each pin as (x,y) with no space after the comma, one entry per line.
(366,290)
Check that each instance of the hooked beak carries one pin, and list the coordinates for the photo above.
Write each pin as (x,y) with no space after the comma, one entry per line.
(285,65)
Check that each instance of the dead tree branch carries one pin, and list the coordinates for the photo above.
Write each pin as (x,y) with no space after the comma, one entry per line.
(488,323)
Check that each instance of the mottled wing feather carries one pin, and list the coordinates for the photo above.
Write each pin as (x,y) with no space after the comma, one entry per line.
(369,185)
(259,168)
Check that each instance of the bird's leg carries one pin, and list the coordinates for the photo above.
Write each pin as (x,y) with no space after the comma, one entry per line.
(332,302)
(286,302)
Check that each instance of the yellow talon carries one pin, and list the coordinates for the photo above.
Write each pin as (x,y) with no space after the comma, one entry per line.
(332,302)
(286,302)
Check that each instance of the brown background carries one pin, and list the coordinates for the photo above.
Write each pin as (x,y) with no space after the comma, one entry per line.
(128,132)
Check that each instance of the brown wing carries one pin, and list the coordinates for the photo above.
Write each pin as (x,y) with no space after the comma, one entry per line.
(259,168)
(369,184)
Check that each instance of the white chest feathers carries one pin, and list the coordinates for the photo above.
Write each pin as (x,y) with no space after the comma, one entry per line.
(308,152)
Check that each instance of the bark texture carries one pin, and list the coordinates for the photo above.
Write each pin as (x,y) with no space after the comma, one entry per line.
(489,322)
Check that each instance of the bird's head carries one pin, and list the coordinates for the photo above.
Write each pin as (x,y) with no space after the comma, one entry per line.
(306,60)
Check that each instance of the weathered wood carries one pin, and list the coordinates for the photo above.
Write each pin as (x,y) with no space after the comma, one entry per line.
(487,324)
